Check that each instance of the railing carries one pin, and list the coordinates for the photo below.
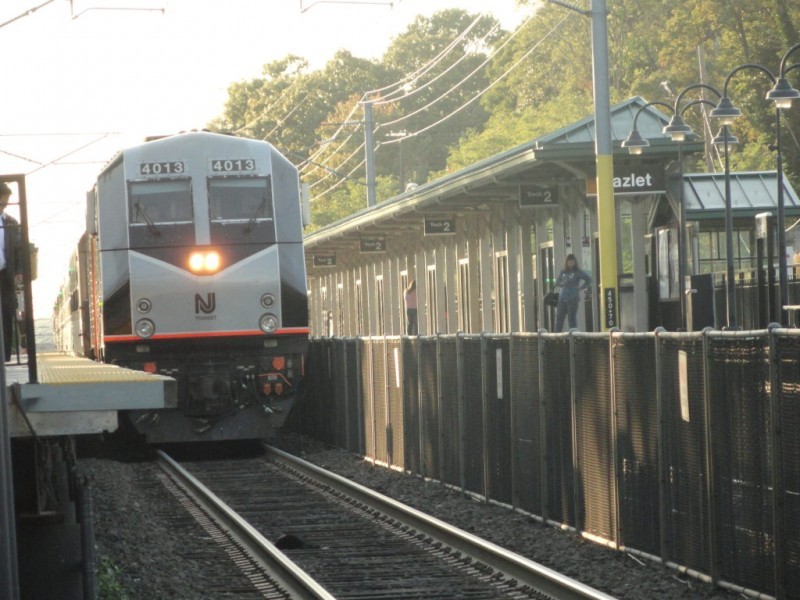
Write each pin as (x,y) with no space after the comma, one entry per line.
(669,444)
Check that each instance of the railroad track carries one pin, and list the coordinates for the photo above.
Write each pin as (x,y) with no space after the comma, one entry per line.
(348,541)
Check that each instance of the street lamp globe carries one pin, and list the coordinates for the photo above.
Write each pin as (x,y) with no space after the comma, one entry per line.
(725,136)
(677,128)
(725,111)
(783,93)
(635,143)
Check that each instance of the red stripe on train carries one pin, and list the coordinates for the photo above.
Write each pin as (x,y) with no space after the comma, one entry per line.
(207,334)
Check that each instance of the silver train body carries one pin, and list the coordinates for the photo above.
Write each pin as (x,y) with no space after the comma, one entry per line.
(192,266)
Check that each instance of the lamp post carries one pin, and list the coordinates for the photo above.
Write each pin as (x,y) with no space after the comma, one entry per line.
(782,94)
(678,130)
(726,139)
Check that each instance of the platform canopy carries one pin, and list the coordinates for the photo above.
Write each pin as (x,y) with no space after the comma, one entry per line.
(562,160)
(751,193)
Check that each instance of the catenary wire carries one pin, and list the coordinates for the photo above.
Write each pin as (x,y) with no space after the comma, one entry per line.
(479,94)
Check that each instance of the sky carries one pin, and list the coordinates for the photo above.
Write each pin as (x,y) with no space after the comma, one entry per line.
(81,81)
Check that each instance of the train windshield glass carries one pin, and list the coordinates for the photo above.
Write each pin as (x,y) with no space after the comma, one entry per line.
(246,199)
(154,202)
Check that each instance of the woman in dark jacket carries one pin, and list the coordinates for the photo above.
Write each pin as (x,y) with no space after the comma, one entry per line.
(571,280)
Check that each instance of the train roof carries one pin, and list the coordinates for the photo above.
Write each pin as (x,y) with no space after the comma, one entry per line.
(179,139)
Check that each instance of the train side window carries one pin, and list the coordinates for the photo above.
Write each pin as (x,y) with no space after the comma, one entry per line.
(153,202)
(241,199)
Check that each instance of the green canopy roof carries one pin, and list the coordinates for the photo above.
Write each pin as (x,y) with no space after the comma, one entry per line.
(751,193)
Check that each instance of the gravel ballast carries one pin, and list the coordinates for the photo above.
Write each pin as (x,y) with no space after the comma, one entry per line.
(148,561)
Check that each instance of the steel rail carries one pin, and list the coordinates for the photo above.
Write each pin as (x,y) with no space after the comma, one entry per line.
(294,580)
(511,565)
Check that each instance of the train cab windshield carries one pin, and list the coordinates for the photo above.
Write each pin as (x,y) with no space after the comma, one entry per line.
(160,202)
(241,207)
(160,212)
(240,199)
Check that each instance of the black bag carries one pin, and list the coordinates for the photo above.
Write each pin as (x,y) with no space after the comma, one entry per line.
(551,298)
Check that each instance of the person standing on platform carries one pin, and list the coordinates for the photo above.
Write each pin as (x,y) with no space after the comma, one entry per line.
(571,280)
(410,298)
(10,268)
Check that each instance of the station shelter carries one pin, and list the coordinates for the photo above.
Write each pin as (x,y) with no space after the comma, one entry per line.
(486,243)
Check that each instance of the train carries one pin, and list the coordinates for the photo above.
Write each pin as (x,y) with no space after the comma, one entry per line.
(192,267)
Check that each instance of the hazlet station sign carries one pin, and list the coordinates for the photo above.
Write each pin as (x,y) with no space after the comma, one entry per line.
(633,180)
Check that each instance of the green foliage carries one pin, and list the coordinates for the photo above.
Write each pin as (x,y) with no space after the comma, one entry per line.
(109,586)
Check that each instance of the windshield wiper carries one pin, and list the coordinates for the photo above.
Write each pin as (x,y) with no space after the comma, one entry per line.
(249,227)
(151,227)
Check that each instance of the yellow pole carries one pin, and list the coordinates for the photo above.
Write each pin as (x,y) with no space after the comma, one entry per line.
(606,208)
(607,231)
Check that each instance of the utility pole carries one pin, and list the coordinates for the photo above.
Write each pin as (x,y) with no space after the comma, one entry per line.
(606,205)
(604,164)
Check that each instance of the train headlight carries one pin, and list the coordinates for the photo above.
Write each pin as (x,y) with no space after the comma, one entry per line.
(268,323)
(267,300)
(145,328)
(212,262)
(204,261)
(143,305)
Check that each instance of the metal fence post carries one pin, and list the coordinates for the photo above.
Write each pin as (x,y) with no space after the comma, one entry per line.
(543,454)
(577,488)
(513,425)
(346,387)
(387,417)
(778,507)
(439,395)
(372,452)
(661,451)
(485,413)
(615,470)
(362,432)
(711,484)
(462,426)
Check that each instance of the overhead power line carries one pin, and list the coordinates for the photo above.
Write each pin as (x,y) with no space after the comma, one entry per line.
(479,94)
(344,162)
(281,121)
(70,153)
(413,76)
(341,181)
(266,111)
(341,127)
(417,89)
(460,83)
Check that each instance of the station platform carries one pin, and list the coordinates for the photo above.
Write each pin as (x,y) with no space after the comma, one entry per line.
(75,396)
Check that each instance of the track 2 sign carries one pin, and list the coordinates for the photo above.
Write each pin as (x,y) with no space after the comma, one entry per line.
(373,244)
(440,226)
(537,195)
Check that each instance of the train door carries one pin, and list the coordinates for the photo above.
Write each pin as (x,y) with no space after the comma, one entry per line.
(547,272)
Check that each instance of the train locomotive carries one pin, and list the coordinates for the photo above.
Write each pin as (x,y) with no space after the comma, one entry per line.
(192,267)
